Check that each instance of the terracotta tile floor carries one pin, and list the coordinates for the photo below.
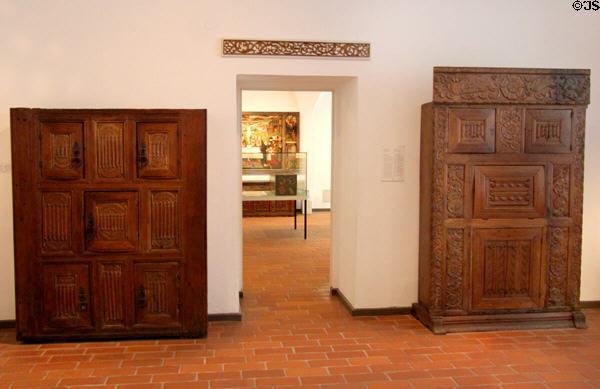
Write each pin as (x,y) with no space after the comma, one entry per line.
(294,334)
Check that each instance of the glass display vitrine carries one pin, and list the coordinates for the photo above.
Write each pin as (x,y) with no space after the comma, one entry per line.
(279,175)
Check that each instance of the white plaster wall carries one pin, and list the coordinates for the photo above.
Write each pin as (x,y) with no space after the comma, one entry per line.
(114,54)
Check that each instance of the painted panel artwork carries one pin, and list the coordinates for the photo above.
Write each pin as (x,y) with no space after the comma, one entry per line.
(270,132)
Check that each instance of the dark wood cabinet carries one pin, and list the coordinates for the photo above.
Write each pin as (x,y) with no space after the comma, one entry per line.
(501,199)
(102,247)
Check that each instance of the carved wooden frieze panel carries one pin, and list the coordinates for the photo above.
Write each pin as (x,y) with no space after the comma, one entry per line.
(111,289)
(438,208)
(578,153)
(164,220)
(558,266)
(109,150)
(509,129)
(455,191)
(296,48)
(454,268)
(56,221)
(561,184)
(465,85)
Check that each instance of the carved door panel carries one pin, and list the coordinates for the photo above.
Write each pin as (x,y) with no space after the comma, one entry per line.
(548,131)
(66,301)
(111,297)
(111,221)
(109,146)
(164,220)
(56,223)
(157,148)
(507,272)
(157,294)
(471,130)
(509,192)
(62,150)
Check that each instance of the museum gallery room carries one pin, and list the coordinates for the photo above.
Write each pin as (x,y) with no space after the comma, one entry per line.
(316,194)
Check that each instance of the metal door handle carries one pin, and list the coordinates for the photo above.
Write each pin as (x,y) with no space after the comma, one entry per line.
(82,299)
(141,301)
(90,228)
(142,159)
(76,152)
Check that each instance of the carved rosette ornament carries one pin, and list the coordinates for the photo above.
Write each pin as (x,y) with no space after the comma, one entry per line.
(509,129)
(454,268)
(456,184)
(438,214)
(296,48)
(488,85)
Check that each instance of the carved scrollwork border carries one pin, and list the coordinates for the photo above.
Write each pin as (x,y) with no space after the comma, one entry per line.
(296,48)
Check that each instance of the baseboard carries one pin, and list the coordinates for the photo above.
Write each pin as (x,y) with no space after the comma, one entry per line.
(7,324)
(321,209)
(369,311)
(589,304)
(224,317)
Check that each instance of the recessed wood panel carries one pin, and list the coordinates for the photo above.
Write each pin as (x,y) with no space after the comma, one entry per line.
(506,271)
(157,294)
(56,222)
(66,296)
(62,150)
(110,151)
(157,150)
(509,192)
(111,283)
(471,130)
(111,221)
(164,220)
(548,131)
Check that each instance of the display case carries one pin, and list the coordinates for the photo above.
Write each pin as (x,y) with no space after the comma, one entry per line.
(272,182)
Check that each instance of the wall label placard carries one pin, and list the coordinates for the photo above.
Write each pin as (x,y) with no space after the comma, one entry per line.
(392,163)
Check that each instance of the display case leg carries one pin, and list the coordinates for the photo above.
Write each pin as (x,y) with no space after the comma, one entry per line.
(295,213)
(305,213)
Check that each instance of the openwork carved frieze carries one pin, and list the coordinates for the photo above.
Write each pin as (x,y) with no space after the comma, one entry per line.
(509,129)
(469,86)
(456,184)
(557,268)
(454,268)
(560,190)
(296,48)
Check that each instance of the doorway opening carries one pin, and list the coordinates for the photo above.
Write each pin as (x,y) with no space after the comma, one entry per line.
(276,260)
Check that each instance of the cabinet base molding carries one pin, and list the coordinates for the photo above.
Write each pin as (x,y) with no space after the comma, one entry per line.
(441,325)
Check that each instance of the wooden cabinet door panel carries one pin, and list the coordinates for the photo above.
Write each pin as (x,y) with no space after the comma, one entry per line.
(109,151)
(157,294)
(507,268)
(62,150)
(548,131)
(56,223)
(66,290)
(164,220)
(471,130)
(111,221)
(112,301)
(509,192)
(157,150)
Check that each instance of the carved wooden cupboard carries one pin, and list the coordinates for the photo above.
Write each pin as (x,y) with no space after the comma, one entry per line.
(110,223)
(501,199)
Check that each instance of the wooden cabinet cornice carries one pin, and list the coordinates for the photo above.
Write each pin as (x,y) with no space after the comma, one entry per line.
(501,199)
